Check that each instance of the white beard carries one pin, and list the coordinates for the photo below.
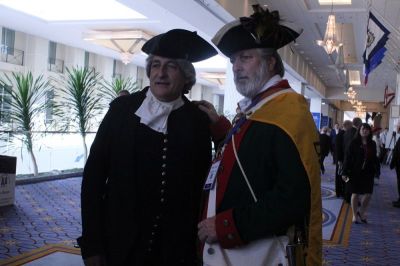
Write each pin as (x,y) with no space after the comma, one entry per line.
(251,88)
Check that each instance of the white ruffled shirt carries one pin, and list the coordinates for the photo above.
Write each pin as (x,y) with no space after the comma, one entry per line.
(154,113)
(245,102)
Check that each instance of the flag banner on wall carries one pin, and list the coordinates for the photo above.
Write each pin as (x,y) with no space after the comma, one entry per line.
(377,36)
(388,96)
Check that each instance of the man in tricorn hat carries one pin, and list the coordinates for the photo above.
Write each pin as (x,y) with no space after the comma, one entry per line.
(276,185)
(143,179)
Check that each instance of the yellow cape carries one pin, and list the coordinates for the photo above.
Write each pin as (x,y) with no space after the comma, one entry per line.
(290,112)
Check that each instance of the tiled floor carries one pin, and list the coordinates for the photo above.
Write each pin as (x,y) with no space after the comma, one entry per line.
(49,213)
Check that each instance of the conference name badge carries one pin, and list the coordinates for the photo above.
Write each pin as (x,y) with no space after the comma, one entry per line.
(212,175)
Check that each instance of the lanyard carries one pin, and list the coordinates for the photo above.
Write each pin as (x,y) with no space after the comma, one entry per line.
(241,120)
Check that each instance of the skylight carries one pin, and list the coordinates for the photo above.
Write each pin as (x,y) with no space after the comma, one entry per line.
(73,10)
(335,2)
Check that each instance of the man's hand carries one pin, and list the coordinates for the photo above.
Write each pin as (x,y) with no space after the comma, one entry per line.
(207,232)
(209,109)
(95,261)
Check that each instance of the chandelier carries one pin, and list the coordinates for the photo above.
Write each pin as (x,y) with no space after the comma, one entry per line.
(126,42)
(330,42)
(360,109)
(351,94)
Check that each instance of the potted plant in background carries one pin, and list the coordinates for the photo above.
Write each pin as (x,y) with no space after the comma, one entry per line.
(81,100)
(111,90)
(26,101)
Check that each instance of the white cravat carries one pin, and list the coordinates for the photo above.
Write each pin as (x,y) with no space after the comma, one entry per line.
(154,113)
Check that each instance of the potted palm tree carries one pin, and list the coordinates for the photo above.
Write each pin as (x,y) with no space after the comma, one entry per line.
(81,100)
(112,89)
(26,100)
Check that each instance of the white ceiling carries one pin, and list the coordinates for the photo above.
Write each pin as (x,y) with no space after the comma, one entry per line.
(351,23)
(207,16)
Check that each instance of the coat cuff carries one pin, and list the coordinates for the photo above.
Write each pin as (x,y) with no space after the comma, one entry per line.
(220,128)
(227,233)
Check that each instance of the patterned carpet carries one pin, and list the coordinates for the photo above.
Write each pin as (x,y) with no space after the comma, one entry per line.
(44,213)
(49,213)
(378,242)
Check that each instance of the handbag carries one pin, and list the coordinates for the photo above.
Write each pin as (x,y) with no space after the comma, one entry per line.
(267,251)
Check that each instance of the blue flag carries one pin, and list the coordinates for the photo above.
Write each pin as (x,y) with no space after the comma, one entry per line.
(377,36)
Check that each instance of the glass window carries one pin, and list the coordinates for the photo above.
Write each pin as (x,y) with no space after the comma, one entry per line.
(5,105)
(86,63)
(52,52)
(8,40)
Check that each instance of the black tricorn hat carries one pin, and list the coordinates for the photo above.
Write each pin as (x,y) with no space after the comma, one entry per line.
(263,29)
(179,44)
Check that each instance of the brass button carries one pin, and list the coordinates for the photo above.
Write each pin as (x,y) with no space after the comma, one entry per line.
(163,165)
(164,157)
(165,149)
(162,199)
(226,222)
(165,140)
(210,251)
(163,182)
(163,173)
(162,191)
(230,237)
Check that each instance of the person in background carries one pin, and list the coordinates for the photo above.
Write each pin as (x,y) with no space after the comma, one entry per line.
(347,138)
(382,138)
(142,183)
(123,93)
(325,146)
(334,132)
(395,164)
(375,137)
(276,144)
(359,169)
(339,145)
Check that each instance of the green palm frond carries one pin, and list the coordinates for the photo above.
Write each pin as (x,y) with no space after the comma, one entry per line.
(26,100)
(81,97)
(110,90)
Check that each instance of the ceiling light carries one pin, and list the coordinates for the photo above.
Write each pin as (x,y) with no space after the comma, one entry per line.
(73,10)
(126,42)
(330,42)
(336,2)
(354,77)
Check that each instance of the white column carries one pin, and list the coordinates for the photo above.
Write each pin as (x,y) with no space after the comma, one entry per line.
(231,95)
(315,109)
(394,122)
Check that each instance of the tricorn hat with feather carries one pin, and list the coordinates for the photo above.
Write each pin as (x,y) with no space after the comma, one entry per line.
(263,29)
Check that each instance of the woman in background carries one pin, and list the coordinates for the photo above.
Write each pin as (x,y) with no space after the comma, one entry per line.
(360,167)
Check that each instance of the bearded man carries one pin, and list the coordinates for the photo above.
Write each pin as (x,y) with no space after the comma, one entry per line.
(267,180)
